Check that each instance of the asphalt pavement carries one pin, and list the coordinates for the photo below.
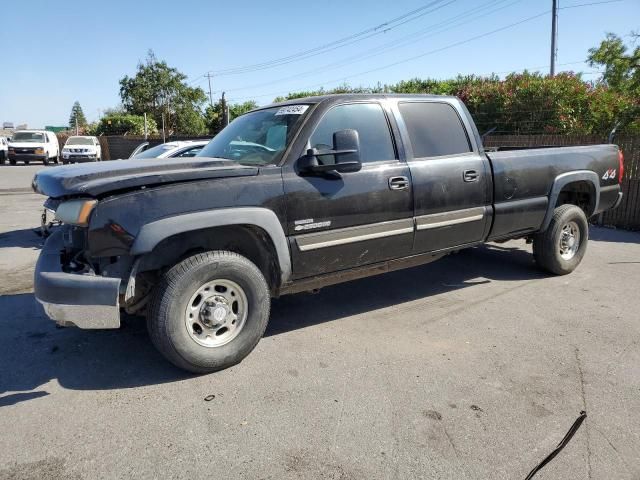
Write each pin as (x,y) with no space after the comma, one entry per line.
(472,367)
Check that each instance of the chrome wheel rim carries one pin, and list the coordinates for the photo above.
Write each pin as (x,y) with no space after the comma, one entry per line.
(569,240)
(216,313)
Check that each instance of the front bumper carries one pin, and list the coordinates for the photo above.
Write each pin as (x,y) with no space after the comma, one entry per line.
(77,157)
(86,301)
(27,156)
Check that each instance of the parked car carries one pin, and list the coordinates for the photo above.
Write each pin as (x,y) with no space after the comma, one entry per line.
(81,149)
(30,145)
(331,189)
(183,149)
(140,148)
(4,148)
(7,125)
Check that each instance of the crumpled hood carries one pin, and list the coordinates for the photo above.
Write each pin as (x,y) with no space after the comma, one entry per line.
(95,179)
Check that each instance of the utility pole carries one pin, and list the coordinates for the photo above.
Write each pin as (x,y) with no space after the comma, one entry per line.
(146,133)
(208,75)
(225,111)
(554,37)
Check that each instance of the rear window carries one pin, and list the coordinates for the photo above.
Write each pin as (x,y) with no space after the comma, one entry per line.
(435,129)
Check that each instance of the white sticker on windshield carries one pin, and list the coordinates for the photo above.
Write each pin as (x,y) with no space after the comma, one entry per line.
(292,110)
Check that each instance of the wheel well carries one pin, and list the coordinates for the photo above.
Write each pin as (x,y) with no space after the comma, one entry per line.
(581,193)
(247,240)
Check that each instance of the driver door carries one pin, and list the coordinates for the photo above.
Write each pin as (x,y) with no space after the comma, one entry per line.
(338,221)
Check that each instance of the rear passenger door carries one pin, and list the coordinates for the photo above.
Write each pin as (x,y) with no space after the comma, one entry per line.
(451,179)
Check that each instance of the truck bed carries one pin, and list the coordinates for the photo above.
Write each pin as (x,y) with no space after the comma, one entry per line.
(523,179)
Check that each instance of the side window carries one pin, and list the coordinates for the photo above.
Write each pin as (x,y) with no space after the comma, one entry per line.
(434,129)
(191,152)
(370,122)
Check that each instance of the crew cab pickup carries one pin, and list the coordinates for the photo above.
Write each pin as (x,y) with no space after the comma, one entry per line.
(295,196)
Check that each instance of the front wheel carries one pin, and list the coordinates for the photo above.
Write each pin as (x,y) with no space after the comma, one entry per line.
(209,311)
(560,248)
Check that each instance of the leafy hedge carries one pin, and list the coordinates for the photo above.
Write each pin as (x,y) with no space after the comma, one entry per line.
(526,103)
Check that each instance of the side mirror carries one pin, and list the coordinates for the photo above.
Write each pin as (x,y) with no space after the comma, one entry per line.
(346,154)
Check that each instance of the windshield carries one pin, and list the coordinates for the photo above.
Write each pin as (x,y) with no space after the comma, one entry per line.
(28,137)
(257,138)
(155,151)
(79,141)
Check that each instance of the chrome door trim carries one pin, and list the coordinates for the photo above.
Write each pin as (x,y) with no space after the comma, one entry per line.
(445,219)
(342,236)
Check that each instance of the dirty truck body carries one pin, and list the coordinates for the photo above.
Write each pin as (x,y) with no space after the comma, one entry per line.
(293,197)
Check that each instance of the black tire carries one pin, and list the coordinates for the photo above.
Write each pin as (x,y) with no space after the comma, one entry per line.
(547,245)
(26,162)
(166,320)
(3,157)
(45,161)
(12,161)
(65,162)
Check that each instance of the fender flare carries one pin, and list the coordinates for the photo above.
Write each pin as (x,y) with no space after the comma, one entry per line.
(564,179)
(151,234)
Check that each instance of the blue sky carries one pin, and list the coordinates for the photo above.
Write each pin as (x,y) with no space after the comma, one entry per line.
(59,52)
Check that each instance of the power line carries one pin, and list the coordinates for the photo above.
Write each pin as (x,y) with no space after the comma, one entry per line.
(446,47)
(437,50)
(348,40)
(398,43)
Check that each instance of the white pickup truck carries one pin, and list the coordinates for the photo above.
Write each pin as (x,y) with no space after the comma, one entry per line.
(81,149)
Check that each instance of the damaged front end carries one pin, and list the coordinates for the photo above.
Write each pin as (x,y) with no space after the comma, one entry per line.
(72,290)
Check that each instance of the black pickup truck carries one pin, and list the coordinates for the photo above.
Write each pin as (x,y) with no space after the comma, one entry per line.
(293,197)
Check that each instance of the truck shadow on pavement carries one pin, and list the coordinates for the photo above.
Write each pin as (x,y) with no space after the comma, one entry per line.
(26,238)
(468,268)
(34,351)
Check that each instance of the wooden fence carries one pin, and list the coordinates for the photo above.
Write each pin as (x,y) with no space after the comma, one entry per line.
(627,215)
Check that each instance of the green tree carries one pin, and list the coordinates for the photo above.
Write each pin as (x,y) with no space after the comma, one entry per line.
(214,116)
(77,115)
(161,91)
(124,124)
(621,64)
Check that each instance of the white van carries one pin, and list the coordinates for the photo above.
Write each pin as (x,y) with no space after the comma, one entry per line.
(29,145)
(81,149)
(4,148)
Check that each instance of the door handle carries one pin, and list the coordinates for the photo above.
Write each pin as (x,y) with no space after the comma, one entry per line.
(398,183)
(470,176)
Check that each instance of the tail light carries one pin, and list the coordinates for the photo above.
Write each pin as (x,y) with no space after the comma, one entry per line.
(620,166)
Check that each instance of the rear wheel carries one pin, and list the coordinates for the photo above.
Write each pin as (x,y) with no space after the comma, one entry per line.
(209,311)
(560,248)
